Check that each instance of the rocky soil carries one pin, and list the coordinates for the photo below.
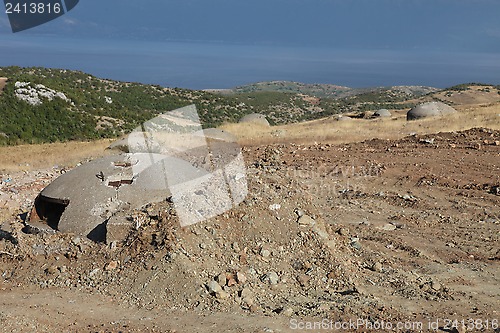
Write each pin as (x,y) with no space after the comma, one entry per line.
(379,231)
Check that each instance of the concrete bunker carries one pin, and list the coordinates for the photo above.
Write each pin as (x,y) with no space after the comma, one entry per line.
(169,157)
(255,118)
(429,109)
(49,210)
(82,200)
(382,113)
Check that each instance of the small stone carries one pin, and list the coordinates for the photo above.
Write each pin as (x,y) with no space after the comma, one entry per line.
(231,282)
(305,221)
(94,272)
(112,265)
(303,279)
(344,231)
(299,212)
(265,252)
(271,277)
(221,279)
(377,267)
(248,301)
(407,197)
(214,287)
(274,207)
(243,258)
(387,227)
(241,278)
(222,295)
(236,247)
(288,312)
(245,292)
(254,308)
(356,245)
(435,285)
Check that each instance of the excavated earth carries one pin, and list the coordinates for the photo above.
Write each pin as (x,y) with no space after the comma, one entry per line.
(379,232)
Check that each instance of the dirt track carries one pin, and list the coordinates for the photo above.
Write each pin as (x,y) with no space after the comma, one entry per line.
(403,230)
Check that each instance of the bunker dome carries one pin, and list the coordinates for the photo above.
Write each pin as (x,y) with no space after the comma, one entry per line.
(201,172)
(429,109)
(382,113)
(255,118)
(83,199)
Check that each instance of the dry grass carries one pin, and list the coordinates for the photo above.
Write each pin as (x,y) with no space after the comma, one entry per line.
(330,130)
(474,95)
(32,157)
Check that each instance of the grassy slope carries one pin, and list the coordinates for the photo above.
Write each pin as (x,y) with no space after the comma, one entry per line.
(355,130)
(90,117)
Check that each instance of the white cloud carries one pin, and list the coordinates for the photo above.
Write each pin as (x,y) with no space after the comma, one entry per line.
(69,21)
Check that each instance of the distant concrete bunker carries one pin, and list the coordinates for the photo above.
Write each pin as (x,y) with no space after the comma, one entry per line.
(255,118)
(169,157)
(429,109)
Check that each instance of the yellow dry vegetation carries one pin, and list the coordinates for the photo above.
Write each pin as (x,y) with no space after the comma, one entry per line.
(328,130)
(473,95)
(354,130)
(32,157)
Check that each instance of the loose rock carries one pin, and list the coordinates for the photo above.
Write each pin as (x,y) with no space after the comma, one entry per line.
(213,287)
(305,221)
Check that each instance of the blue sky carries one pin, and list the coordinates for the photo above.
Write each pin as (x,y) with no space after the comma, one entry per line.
(350,41)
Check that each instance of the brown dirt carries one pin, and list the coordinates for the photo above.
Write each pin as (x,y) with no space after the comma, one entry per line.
(405,230)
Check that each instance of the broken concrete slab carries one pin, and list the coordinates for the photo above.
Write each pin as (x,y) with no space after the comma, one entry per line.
(118,228)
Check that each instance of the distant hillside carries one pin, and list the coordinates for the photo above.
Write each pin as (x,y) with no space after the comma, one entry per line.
(47,105)
(335,91)
(469,93)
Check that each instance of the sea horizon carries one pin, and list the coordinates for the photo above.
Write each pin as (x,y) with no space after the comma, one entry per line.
(212,65)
